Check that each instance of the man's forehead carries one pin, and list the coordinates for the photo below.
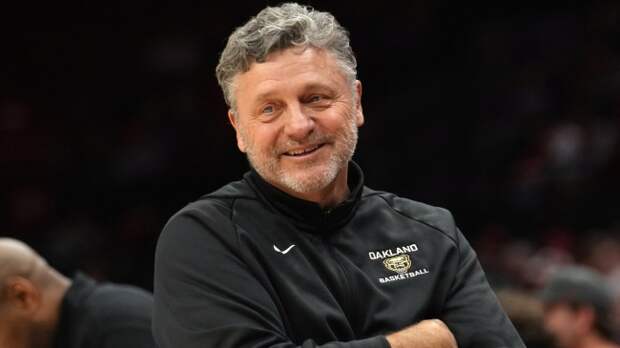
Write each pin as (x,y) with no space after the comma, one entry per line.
(310,68)
(272,88)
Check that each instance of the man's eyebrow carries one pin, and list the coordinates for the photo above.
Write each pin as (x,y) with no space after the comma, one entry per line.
(312,86)
(318,85)
(264,95)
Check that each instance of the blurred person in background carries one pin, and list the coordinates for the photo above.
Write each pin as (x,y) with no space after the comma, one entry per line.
(41,308)
(526,313)
(578,306)
(300,252)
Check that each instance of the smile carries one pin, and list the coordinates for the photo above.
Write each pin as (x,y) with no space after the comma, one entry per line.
(303,152)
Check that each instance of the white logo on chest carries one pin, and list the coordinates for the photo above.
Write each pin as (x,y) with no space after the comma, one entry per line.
(382,254)
(399,261)
(285,250)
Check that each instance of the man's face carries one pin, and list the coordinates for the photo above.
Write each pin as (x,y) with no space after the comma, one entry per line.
(297,118)
(565,323)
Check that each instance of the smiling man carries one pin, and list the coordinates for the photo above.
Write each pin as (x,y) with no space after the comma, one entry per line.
(299,253)
(299,128)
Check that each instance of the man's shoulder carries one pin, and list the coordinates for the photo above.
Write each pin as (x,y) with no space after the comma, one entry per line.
(122,302)
(211,213)
(96,312)
(123,314)
(435,217)
(220,201)
(239,189)
(110,300)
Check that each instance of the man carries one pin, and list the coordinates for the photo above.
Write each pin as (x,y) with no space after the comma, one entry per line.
(299,253)
(40,308)
(578,306)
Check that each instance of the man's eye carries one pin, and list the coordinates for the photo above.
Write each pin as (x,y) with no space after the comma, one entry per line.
(268,109)
(315,98)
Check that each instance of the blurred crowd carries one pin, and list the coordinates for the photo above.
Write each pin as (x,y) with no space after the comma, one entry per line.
(508,116)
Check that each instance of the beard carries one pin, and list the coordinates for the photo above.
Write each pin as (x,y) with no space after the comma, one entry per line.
(314,174)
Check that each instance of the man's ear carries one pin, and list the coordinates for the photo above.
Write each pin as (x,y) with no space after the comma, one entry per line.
(22,294)
(233,121)
(359,112)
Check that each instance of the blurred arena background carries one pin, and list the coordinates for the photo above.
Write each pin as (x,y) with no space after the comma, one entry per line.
(507,114)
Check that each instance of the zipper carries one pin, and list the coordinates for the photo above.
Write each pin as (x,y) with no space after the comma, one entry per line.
(347,304)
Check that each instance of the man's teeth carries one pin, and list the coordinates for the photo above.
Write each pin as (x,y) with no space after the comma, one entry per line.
(302,151)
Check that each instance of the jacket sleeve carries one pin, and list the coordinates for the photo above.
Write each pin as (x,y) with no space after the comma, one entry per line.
(472,311)
(205,296)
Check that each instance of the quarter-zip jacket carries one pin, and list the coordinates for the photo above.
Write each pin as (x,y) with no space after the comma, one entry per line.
(251,266)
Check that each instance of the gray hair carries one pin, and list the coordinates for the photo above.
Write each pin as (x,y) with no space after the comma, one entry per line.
(279,28)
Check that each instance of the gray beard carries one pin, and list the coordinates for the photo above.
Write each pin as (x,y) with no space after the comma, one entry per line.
(336,163)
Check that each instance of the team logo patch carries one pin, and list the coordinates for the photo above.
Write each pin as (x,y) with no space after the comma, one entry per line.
(399,264)
(398,260)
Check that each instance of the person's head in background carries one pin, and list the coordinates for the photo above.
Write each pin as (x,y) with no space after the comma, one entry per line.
(31,294)
(526,313)
(577,308)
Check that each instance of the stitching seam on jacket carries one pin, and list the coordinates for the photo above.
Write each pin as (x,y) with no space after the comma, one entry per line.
(421,222)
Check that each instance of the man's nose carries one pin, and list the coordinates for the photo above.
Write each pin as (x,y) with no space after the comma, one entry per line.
(300,122)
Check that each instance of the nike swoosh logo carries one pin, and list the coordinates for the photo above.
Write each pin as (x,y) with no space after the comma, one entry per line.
(285,251)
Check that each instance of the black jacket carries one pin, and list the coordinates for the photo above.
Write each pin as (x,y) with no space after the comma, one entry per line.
(104,315)
(250,266)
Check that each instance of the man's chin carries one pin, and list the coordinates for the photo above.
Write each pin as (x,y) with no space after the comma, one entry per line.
(306,184)
(308,180)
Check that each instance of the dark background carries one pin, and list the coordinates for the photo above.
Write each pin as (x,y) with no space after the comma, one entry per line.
(508,114)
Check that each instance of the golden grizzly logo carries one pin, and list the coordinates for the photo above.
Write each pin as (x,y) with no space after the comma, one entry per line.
(399,264)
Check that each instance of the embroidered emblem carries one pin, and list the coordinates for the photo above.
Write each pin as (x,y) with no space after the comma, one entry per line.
(398,260)
(399,264)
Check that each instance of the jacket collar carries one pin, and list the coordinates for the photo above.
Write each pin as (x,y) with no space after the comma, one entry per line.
(81,287)
(308,215)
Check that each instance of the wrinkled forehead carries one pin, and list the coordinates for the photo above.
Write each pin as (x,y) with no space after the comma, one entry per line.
(300,55)
(288,68)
